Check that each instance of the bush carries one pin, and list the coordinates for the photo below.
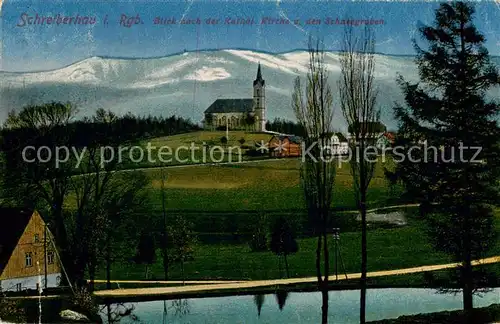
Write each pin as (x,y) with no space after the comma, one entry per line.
(84,302)
(11,311)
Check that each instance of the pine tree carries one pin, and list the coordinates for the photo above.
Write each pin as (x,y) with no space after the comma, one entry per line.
(447,121)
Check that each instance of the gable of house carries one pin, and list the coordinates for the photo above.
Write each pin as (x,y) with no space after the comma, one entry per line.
(14,222)
(26,241)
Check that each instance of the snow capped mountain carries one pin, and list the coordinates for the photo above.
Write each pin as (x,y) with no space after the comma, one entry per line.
(186,84)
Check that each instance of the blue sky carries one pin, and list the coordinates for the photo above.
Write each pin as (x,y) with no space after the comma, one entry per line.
(41,47)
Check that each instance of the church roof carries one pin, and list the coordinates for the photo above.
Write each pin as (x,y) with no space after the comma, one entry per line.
(230,105)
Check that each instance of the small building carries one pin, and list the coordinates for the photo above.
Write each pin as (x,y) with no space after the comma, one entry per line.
(285,146)
(386,140)
(338,143)
(25,246)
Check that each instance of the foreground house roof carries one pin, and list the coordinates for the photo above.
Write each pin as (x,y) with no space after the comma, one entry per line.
(14,222)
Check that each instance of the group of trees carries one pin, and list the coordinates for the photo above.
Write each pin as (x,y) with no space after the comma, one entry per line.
(283,239)
(179,246)
(150,126)
(284,126)
(446,109)
(93,212)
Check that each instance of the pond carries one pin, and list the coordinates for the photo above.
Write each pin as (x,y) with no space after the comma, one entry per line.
(298,307)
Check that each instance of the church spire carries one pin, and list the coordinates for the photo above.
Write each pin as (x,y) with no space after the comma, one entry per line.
(259,78)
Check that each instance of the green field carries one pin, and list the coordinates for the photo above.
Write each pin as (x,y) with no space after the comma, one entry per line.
(226,198)
(269,185)
(224,202)
(191,148)
(387,249)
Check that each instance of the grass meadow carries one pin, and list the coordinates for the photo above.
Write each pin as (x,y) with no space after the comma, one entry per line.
(224,202)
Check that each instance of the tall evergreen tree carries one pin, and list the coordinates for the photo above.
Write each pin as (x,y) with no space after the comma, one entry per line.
(450,121)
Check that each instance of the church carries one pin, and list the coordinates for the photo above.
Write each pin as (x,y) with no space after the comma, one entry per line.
(241,113)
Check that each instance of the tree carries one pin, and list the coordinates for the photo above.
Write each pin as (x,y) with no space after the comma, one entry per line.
(283,240)
(107,202)
(250,121)
(125,207)
(183,241)
(357,99)
(104,116)
(42,116)
(146,251)
(223,140)
(314,114)
(447,110)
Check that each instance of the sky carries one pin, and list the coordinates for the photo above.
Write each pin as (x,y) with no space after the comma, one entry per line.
(43,47)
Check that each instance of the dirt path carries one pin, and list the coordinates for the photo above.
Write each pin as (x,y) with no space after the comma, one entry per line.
(263,283)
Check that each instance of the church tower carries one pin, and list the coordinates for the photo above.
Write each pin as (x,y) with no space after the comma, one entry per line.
(259,103)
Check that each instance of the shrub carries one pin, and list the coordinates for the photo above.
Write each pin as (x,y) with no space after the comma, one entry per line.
(84,302)
(11,311)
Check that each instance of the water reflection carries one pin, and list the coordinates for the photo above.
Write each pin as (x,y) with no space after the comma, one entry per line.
(281,296)
(259,301)
(181,307)
(300,307)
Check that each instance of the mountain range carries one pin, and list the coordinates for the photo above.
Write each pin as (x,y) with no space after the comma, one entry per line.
(185,84)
